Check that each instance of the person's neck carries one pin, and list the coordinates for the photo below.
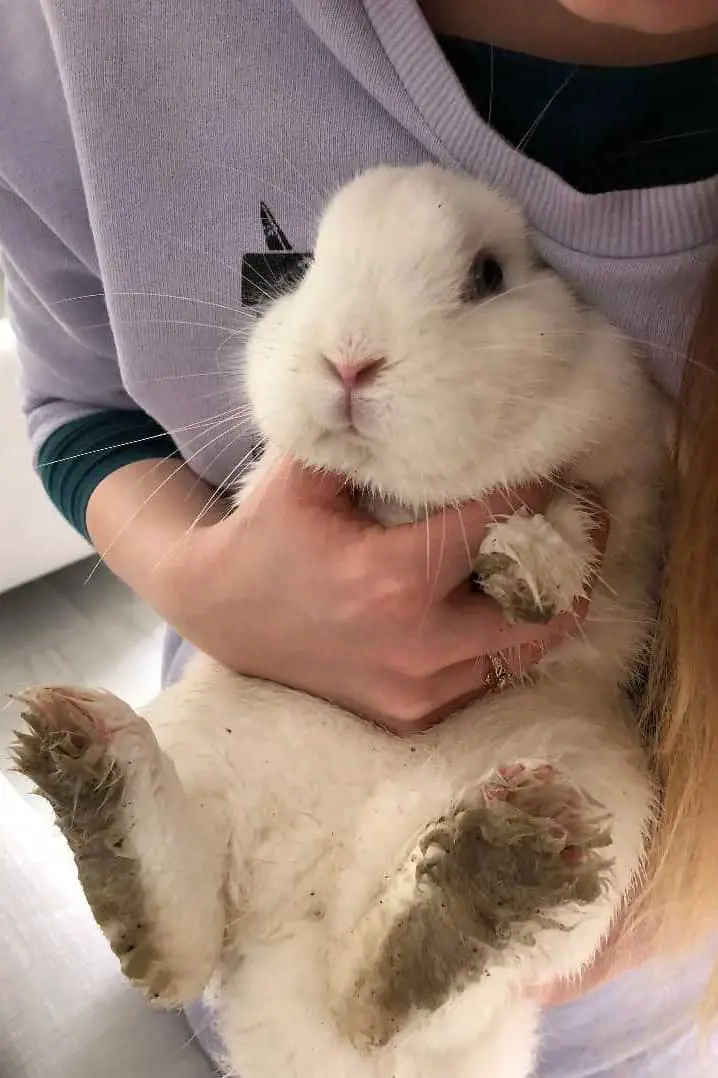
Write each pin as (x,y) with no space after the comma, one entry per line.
(544,28)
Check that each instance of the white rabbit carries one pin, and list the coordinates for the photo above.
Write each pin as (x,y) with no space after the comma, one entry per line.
(358,905)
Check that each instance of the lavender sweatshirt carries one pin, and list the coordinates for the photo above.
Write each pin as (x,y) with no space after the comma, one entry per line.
(152,150)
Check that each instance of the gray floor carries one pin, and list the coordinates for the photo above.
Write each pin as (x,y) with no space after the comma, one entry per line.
(65,1009)
(68,629)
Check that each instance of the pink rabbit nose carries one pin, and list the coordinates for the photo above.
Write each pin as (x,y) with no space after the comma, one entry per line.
(355,372)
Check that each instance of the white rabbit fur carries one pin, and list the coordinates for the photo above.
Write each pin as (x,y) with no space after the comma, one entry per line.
(275,839)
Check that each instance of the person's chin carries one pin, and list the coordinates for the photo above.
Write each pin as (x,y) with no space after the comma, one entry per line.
(647,16)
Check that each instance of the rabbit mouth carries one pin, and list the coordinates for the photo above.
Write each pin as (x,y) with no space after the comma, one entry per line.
(350,426)
(343,449)
(356,416)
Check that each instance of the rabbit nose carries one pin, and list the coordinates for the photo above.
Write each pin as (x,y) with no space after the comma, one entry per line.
(353,373)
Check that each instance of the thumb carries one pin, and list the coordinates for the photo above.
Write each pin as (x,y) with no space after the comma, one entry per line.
(305,487)
(291,480)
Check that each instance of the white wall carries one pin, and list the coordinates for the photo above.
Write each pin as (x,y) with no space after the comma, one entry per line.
(34,538)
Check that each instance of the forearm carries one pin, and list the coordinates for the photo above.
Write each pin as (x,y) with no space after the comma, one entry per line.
(138,517)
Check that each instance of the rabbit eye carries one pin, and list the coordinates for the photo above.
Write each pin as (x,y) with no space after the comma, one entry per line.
(486,277)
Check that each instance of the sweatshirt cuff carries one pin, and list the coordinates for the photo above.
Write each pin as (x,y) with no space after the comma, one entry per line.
(76,457)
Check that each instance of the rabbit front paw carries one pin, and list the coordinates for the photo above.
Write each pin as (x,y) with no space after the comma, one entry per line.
(534,569)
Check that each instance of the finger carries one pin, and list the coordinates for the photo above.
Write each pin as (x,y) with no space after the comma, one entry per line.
(443,547)
(472,624)
(424,704)
(302,484)
(516,662)
(456,686)
(289,482)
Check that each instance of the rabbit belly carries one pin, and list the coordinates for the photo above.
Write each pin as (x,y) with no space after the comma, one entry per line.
(363,906)
(386,888)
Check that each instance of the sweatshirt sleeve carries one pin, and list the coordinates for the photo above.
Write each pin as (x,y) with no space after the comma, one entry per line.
(78,455)
(81,421)
(56,305)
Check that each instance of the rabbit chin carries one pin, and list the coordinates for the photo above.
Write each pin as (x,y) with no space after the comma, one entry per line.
(409,477)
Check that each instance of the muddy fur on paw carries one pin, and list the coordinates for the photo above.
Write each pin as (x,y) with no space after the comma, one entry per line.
(530,569)
(500,576)
(66,751)
(488,876)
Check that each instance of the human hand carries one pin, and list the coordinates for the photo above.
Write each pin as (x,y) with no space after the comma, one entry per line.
(298,586)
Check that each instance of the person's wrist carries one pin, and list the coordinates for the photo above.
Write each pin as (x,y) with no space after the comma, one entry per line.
(201,597)
(181,573)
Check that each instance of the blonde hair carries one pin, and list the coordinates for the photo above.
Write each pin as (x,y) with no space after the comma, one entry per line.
(681,898)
